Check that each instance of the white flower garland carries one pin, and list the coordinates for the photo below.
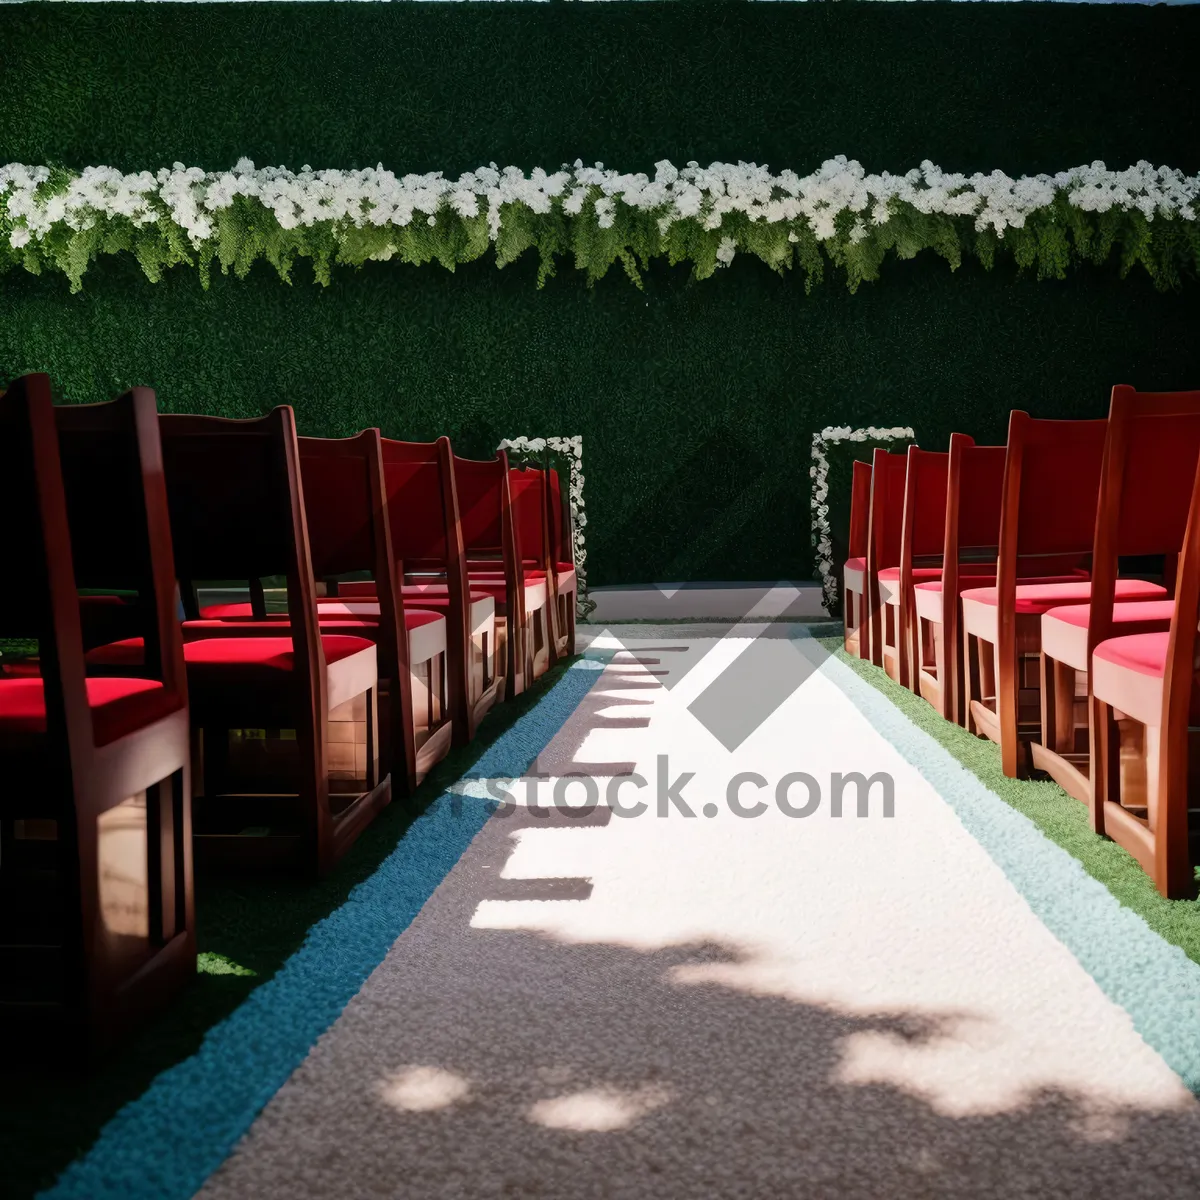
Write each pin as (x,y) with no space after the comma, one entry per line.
(572,447)
(819,473)
(839,205)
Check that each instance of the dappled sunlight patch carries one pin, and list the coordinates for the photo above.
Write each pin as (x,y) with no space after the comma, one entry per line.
(598,1110)
(423,1089)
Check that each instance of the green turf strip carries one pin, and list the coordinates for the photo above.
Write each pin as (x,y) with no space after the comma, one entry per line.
(1059,816)
(246,929)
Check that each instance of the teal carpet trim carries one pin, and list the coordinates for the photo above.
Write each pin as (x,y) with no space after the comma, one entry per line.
(165,1144)
(1153,981)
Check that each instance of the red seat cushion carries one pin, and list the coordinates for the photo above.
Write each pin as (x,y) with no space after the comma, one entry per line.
(1065,630)
(1145,653)
(334,616)
(1037,598)
(119,706)
(856,564)
(272,655)
(892,574)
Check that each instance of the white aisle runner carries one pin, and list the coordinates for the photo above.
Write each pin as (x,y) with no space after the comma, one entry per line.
(725,1006)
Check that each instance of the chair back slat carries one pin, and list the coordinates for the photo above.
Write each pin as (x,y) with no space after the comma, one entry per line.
(888,475)
(237,512)
(981,479)
(1153,449)
(118,511)
(231,494)
(1052,475)
(860,503)
(527,488)
(483,495)
(925,503)
(340,504)
(422,510)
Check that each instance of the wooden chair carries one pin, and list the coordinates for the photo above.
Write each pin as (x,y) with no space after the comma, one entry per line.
(494,566)
(267,791)
(922,537)
(419,480)
(974,483)
(533,512)
(857,635)
(562,559)
(974,475)
(349,534)
(1047,515)
(1147,703)
(96,903)
(1150,460)
(885,525)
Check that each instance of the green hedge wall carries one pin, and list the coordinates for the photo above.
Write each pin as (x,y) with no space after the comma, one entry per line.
(697,402)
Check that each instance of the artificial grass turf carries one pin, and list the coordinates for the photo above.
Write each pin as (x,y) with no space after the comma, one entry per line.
(722,382)
(247,927)
(1060,817)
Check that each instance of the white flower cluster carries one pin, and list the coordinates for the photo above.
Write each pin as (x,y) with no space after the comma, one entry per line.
(819,474)
(189,196)
(573,448)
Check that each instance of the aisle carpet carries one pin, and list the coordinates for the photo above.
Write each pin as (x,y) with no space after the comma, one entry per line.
(923,1004)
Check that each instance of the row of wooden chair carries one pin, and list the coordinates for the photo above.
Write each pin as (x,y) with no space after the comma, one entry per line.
(421,587)
(1044,595)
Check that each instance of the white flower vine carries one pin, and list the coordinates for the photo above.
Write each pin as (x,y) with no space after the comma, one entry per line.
(819,473)
(374,214)
(572,448)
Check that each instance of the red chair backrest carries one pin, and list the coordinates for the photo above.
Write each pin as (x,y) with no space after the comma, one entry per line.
(343,503)
(1051,483)
(484,504)
(860,504)
(112,469)
(886,522)
(1149,466)
(55,458)
(421,489)
(975,488)
(237,511)
(527,488)
(924,531)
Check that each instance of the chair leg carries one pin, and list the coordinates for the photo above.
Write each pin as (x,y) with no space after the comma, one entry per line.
(312,787)
(1104,757)
(971,680)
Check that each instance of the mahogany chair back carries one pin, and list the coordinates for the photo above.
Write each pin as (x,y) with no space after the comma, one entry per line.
(860,504)
(1050,488)
(237,512)
(120,528)
(527,489)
